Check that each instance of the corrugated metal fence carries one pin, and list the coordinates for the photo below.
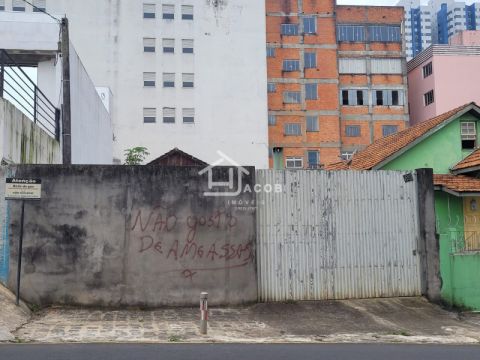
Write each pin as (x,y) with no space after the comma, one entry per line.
(337,235)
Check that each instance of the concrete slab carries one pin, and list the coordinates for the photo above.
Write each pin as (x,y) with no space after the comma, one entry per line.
(406,320)
(11,316)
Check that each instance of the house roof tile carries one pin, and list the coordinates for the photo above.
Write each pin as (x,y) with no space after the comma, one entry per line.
(457,183)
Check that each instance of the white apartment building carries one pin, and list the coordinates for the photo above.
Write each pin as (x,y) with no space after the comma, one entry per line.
(189,74)
(436,22)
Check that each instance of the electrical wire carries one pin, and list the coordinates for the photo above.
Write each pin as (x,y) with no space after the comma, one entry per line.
(43,11)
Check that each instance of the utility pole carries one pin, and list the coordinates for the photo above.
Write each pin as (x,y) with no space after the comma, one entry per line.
(66,140)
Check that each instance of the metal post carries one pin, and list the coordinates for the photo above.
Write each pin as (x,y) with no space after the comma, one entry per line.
(2,72)
(35,99)
(20,246)
(203,313)
(66,108)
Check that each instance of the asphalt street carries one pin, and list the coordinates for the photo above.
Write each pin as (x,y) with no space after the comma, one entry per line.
(237,351)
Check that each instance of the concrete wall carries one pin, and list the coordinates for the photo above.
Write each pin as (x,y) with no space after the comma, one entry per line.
(23,142)
(92,136)
(140,236)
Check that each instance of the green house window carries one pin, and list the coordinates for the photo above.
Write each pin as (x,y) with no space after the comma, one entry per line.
(468,135)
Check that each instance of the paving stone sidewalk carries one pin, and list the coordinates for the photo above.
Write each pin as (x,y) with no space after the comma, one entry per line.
(410,320)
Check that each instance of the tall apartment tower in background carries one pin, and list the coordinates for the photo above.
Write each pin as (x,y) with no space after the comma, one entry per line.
(436,22)
(183,73)
(336,80)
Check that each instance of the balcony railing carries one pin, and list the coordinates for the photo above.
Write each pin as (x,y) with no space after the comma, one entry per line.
(467,241)
(17,87)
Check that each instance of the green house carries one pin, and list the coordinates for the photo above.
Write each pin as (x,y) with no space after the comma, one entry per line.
(450,145)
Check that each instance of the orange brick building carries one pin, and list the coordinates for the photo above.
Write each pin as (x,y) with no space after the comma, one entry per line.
(336,79)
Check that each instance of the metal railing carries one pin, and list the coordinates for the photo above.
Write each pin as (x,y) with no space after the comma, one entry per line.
(465,241)
(17,87)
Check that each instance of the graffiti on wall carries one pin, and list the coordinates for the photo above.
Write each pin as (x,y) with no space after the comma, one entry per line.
(176,239)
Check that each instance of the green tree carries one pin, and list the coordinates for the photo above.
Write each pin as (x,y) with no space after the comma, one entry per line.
(136,155)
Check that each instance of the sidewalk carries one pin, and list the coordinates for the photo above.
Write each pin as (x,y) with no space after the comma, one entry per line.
(406,320)
(11,316)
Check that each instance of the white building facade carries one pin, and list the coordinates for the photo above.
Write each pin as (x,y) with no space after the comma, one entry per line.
(189,74)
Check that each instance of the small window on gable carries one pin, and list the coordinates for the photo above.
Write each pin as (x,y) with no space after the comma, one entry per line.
(168,12)
(18,5)
(149,11)
(187,12)
(468,135)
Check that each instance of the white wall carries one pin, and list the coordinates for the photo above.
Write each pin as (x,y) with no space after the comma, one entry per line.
(230,94)
(92,137)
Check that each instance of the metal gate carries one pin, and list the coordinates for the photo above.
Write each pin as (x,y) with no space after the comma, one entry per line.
(336,235)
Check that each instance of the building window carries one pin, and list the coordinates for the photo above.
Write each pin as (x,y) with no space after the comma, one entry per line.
(149,45)
(168,115)
(291,97)
(389,130)
(310,25)
(149,79)
(272,120)
(271,87)
(384,33)
(149,115)
(18,5)
(289,29)
(312,123)
(168,79)
(168,12)
(352,130)
(39,5)
(469,135)
(187,80)
(187,46)
(354,97)
(291,65)
(188,115)
(169,46)
(294,163)
(427,70)
(149,11)
(187,12)
(346,155)
(388,98)
(313,159)
(270,51)
(2,5)
(311,92)
(292,129)
(354,33)
(310,60)
(429,98)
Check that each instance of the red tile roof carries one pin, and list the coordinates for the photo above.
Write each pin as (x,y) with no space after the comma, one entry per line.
(457,183)
(383,148)
(471,160)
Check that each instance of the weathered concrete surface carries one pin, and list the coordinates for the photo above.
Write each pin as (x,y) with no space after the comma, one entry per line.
(135,236)
(11,316)
(22,141)
(406,320)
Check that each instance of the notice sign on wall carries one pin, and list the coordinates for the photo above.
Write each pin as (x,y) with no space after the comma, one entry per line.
(23,189)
